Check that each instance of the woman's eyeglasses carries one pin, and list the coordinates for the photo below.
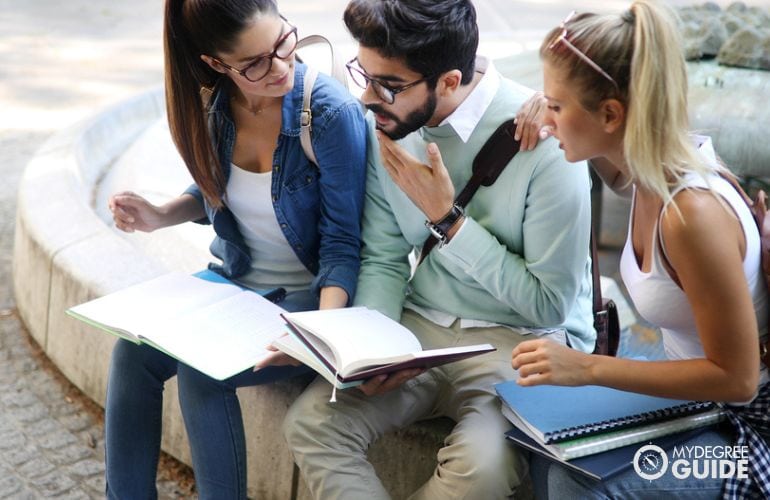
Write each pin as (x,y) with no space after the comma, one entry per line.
(563,39)
(383,91)
(261,66)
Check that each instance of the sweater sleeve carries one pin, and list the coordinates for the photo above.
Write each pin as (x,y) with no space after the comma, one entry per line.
(542,283)
(385,267)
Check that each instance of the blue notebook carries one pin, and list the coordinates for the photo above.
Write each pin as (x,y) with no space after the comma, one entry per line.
(555,414)
(273,294)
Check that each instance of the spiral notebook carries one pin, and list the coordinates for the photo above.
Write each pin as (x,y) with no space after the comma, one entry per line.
(602,466)
(555,414)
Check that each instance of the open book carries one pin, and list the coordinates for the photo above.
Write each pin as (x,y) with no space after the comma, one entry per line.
(217,328)
(349,346)
(572,422)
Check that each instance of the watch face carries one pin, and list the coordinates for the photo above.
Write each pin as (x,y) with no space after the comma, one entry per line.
(650,462)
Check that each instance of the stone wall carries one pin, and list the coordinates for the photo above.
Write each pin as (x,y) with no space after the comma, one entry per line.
(736,36)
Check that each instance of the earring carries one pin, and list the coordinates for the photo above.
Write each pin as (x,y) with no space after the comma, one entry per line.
(205,93)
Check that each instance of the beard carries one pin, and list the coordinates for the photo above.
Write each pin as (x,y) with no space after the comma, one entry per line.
(413,120)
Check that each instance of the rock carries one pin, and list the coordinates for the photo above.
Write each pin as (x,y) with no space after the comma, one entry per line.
(733,23)
(703,32)
(747,48)
(737,36)
(737,7)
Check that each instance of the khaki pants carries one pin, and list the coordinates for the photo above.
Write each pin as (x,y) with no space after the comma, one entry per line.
(329,440)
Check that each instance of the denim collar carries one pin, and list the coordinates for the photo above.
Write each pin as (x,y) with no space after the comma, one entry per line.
(291,108)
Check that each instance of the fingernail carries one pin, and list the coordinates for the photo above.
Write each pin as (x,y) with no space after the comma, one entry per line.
(432,148)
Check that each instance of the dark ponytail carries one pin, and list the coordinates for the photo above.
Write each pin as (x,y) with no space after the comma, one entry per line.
(192,28)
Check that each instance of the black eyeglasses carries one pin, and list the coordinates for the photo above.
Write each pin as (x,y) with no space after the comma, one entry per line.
(261,66)
(383,91)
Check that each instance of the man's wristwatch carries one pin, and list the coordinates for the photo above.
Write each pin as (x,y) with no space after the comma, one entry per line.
(440,230)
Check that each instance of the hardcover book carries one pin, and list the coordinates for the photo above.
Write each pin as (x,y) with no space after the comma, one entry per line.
(349,346)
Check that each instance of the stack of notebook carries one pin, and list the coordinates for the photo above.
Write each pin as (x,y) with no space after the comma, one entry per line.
(589,428)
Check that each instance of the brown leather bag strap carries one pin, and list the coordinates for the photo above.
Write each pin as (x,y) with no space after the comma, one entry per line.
(595,274)
(758,209)
(489,163)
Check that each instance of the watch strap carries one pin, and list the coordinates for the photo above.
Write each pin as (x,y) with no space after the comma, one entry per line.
(440,229)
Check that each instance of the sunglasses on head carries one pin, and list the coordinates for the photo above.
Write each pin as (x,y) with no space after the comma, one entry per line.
(562,38)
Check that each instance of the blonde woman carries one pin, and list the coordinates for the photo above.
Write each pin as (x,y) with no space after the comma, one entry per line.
(616,88)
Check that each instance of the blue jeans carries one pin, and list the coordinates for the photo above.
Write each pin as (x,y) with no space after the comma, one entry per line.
(211,411)
(553,481)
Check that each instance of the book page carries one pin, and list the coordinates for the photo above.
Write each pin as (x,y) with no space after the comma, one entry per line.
(224,338)
(294,347)
(358,333)
(137,307)
(317,345)
(431,357)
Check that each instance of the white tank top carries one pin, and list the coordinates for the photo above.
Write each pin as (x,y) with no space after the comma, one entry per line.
(660,301)
(273,261)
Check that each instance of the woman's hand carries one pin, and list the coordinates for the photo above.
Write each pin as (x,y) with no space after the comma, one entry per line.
(547,362)
(529,122)
(276,358)
(132,213)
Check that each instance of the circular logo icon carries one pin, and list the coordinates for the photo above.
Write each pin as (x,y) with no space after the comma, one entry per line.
(650,462)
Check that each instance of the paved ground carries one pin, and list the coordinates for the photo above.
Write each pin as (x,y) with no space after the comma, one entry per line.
(59,63)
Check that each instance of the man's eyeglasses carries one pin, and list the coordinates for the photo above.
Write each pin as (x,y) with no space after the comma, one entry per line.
(563,39)
(383,91)
(261,66)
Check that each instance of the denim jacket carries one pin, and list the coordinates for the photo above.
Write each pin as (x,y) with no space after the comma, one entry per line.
(317,207)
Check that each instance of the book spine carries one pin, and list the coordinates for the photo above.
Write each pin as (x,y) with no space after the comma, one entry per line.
(631,421)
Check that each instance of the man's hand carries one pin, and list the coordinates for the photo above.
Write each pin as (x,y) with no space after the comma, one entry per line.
(429,187)
(529,122)
(384,383)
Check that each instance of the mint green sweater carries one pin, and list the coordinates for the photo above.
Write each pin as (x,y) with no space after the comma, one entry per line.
(522,256)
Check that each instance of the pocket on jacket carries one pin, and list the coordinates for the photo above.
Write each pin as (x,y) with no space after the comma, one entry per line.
(303,187)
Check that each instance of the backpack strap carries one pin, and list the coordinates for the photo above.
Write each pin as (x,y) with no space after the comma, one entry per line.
(306,119)
(489,163)
(337,72)
(338,69)
(758,208)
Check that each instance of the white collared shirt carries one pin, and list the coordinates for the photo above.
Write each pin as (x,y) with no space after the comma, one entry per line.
(467,115)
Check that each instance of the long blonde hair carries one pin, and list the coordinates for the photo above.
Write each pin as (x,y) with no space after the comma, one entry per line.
(641,50)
